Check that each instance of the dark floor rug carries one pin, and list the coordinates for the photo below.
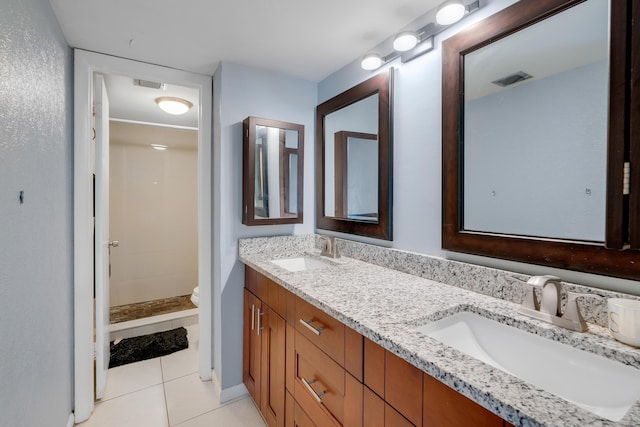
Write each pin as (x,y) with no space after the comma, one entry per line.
(145,347)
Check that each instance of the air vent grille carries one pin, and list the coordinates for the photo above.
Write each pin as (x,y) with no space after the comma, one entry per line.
(512,79)
(148,83)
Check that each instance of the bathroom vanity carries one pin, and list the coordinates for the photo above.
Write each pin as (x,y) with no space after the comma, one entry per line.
(337,342)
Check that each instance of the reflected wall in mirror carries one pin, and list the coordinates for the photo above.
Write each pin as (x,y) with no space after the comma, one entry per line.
(535,131)
(354,158)
(272,172)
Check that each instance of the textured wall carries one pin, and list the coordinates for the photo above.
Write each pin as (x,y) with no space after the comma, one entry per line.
(36,281)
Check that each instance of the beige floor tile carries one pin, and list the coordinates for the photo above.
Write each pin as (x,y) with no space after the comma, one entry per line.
(242,413)
(144,408)
(188,397)
(179,364)
(132,377)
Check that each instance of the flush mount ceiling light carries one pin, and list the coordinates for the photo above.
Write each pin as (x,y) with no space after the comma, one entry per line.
(173,105)
(371,61)
(405,40)
(411,44)
(159,147)
(450,12)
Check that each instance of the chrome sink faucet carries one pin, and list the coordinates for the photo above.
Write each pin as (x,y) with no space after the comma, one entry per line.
(329,247)
(548,308)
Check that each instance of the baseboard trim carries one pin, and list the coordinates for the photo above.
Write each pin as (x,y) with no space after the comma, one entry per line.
(229,393)
(72,420)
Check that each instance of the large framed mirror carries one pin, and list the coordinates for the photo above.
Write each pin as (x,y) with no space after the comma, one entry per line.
(536,136)
(354,160)
(273,158)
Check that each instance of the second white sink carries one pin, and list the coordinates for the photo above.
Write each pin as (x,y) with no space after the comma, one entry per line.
(300,263)
(595,383)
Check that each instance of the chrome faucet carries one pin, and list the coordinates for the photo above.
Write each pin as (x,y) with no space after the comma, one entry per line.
(548,307)
(329,247)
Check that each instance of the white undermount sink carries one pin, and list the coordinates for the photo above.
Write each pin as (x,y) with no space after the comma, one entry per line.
(595,383)
(302,263)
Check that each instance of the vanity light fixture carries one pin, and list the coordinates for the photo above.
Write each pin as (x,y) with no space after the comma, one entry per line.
(450,12)
(173,105)
(405,40)
(411,44)
(159,147)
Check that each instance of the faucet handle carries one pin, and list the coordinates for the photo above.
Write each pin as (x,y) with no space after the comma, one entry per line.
(572,311)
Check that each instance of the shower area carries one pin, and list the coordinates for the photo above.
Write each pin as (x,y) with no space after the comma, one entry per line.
(153,217)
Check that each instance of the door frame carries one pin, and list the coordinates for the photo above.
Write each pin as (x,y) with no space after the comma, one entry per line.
(85,65)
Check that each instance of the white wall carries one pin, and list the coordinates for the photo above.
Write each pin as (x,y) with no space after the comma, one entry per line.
(239,92)
(417,173)
(153,214)
(36,251)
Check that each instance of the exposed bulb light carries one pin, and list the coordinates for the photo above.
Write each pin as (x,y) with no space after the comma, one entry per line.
(159,147)
(450,12)
(173,105)
(405,40)
(371,61)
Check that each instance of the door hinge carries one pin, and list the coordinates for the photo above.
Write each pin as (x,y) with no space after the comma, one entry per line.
(626,178)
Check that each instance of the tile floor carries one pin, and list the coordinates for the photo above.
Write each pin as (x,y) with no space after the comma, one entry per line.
(167,391)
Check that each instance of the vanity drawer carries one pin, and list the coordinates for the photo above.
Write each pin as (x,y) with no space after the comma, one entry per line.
(323,389)
(321,329)
(295,416)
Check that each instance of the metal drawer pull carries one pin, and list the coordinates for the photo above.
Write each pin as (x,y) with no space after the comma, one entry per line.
(259,328)
(315,395)
(308,323)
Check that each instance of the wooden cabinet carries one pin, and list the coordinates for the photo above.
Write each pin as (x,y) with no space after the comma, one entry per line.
(264,352)
(304,368)
(445,407)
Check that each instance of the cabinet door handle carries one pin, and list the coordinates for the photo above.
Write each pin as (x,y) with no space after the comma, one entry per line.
(253,316)
(259,328)
(307,324)
(315,395)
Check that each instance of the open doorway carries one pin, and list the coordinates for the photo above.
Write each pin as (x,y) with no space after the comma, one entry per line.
(87,66)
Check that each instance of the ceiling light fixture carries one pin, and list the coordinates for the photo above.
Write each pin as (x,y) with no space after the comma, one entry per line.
(412,44)
(159,147)
(173,105)
(450,12)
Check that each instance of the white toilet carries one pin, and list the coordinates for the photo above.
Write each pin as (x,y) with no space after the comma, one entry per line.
(195,296)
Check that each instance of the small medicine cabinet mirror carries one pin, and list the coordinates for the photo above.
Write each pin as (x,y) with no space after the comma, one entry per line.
(272,172)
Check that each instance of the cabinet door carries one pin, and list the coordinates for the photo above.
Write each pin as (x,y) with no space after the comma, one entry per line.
(272,391)
(445,407)
(251,342)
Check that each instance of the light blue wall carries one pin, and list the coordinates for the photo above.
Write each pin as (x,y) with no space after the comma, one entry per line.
(239,92)
(417,169)
(36,251)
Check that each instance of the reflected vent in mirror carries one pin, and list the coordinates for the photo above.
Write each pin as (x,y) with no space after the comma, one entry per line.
(512,79)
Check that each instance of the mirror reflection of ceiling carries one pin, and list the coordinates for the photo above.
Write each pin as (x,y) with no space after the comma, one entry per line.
(584,34)
(136,103)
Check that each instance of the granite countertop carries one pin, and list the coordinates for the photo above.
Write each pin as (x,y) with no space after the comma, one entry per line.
(384,305)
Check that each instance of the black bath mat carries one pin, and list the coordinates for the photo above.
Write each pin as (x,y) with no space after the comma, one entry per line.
(145,347)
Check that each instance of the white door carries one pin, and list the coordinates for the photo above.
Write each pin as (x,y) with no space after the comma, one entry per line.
(102,244)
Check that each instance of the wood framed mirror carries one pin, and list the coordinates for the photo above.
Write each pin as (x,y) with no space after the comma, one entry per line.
(534,154)
(272,172)
(354,159)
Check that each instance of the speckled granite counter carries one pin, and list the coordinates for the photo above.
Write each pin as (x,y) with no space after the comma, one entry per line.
(384,304)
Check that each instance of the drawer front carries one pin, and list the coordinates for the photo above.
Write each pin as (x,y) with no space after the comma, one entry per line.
(295,415)
(321,329)
(319,384)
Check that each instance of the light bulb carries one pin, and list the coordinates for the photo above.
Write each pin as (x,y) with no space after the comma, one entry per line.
(450,12)
(371,62)
(405,40)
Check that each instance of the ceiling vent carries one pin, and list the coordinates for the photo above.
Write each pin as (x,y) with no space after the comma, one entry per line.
(148,83)
(512,79)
